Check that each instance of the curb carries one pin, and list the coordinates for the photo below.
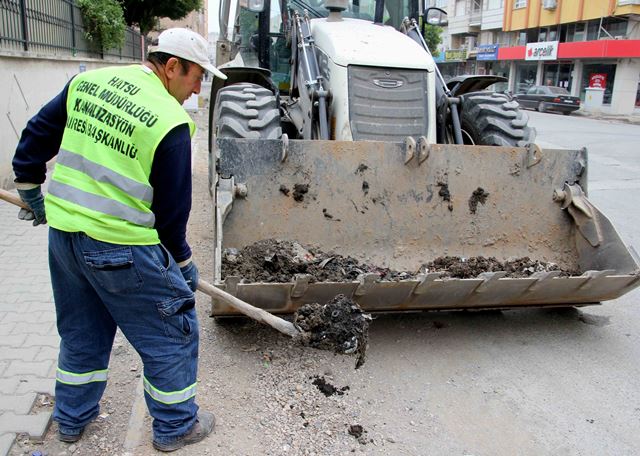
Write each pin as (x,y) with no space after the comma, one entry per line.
(628,119)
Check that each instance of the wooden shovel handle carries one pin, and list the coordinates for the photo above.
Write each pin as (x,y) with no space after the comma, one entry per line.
(13,199)
(262,316)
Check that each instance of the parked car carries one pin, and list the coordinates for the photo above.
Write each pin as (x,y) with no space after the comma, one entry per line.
(548,98)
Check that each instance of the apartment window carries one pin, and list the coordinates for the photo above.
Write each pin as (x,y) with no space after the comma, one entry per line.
(504,38)
(548,34)
(576,32)
(542,36)
(520,4)
(592,30)
(461,9)
(522,38)
(495,4)
(441,3)
(615,26)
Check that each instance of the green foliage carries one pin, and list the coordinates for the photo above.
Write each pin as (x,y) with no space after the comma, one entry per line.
(432,36)
(145,13)
(103,22)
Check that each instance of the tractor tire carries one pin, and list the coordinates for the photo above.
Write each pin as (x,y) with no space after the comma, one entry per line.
(247,111)
(493,119)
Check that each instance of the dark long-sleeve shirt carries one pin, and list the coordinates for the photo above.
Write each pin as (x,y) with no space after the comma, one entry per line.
(170,172)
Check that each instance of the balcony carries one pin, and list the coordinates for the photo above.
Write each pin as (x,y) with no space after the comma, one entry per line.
(475,15)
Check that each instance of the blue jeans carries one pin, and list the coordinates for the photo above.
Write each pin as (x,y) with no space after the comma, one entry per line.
(97,287)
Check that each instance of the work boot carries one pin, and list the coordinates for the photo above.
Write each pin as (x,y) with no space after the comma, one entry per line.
(203,427)
(70,438)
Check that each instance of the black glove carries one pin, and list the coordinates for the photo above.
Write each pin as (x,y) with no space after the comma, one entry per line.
(34,199)
(190,274)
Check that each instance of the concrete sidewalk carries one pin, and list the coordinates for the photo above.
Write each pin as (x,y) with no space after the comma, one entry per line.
(633,119)
(28,337)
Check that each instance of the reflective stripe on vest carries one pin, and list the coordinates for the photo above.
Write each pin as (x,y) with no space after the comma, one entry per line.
(69,378)
(101,204)
(172,397)
(103,174)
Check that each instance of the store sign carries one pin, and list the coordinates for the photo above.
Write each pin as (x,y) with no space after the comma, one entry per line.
(598,80)
(545,50)
(487,52)
(455,54)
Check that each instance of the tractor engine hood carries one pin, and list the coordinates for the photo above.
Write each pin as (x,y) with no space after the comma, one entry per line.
(359,42)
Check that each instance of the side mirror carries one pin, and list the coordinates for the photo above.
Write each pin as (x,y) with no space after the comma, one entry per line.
(435,16)
(256,6)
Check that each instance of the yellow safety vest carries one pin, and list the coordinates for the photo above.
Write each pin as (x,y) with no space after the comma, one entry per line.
(116,117)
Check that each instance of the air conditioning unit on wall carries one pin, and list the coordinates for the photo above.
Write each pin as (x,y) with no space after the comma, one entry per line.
(550,4)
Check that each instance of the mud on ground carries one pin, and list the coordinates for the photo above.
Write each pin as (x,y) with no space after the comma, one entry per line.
(276,261)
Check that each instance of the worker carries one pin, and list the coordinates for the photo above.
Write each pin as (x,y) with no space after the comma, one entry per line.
(117,206)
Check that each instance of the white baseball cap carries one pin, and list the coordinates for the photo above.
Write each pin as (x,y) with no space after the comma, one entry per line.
(186,44)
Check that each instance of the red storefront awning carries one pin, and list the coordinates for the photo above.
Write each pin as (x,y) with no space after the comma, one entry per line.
(607,49)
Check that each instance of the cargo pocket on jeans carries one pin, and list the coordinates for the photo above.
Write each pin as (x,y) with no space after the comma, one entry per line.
(114,269)
(179,318)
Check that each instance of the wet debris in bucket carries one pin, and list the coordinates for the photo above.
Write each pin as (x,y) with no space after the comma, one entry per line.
(274,261)
(340,326)
(470,268)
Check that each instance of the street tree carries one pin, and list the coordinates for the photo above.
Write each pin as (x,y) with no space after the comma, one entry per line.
(145,13)
(432,36)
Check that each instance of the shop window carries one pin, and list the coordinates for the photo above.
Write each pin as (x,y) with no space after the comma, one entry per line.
(525,76)
(608,69)
(558,74)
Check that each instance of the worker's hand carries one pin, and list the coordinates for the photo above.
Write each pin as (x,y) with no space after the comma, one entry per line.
(191,275)
(34,199)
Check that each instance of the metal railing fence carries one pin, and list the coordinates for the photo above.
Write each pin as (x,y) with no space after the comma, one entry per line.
(54,27)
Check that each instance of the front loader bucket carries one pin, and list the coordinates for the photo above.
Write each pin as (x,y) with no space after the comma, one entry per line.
(401,205)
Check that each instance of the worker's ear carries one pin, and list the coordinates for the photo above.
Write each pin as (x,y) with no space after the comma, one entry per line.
(172,68)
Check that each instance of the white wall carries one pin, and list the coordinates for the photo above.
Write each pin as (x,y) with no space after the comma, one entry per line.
(625,86)
(27,83)
(492,19)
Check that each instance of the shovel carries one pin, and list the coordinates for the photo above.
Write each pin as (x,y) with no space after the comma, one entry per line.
(262,316)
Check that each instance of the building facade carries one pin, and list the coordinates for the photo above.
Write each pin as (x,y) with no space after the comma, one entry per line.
(576,44)
(197,21)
